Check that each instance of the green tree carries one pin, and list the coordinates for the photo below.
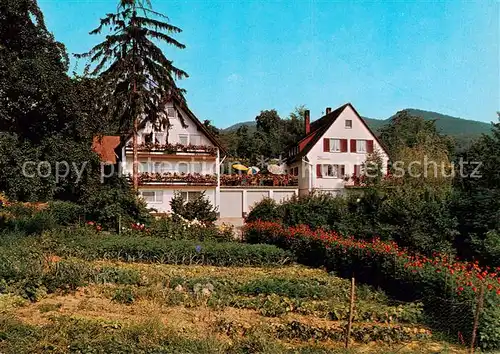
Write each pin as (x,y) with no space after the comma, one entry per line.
(477,203)
(211,128)
(406,130)
(137,78)
(35,91)
(293,127)
(40,110)
(420,155)
(269,135)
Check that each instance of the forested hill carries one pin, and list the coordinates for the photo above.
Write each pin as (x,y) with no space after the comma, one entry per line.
(448,125)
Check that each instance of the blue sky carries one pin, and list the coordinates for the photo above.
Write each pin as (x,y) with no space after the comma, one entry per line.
(247,56)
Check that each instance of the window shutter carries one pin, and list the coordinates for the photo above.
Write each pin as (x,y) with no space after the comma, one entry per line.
(343,145)
(369,146)
(318,171)
(326,145)
(356,170)
(353,145)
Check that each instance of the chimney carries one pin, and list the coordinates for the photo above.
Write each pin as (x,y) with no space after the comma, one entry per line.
(307,121)
(328,110)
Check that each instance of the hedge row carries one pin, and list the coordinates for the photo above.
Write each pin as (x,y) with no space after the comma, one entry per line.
(88,245)
(449,289)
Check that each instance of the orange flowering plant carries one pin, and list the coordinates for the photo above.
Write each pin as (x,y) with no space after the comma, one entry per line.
(440,282)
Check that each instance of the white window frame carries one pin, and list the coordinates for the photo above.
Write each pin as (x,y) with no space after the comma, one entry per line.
(185,194)
(174,113)
(144,167)
(193,169)
(191,136)
(160,137)
(183,164)
(335,169)
(157,196)
(361,146)
(348,126)
(187,138)
(335,145)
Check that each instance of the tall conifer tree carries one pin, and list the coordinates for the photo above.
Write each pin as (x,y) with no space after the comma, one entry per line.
(138,79)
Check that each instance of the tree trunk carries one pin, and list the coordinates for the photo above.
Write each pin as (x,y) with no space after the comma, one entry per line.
(135,166)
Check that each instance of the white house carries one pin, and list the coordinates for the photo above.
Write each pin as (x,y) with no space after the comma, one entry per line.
(182,159)
(186,159)
(333,149)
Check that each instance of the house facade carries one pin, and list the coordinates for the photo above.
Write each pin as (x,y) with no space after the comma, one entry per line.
(333,151)
(183,159)
(187,158)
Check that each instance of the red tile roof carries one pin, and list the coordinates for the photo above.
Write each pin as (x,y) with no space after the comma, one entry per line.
(320,126)
(105,147)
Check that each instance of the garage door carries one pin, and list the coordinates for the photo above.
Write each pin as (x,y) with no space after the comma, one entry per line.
(254,197)
(231,204)
(280,196)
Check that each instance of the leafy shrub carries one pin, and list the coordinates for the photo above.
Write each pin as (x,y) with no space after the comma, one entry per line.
(442,284)
(124,295)
(198,208)
(66,275)
(118,276)
(266,210)
(422,222)
(27,219)
(115,200)
(316,210)
(66,213)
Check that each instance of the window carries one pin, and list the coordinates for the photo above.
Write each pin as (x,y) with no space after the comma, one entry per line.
(296,171)
(196,167)
(183,139)
(348,124)
(183,167)
(143,167)
(195,140)
(360,145)
(152,196)
(333,171)
(334,145)
(171,112)
(159,138)
(187,196)
(147,138)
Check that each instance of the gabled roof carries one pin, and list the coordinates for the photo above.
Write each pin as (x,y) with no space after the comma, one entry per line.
(213,139)
(319,128)
(105,147)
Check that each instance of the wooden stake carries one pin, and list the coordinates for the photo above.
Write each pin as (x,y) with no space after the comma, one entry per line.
(477,314)
(351,313)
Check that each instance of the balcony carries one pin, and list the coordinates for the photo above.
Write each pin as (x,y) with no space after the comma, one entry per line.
(259,180)
(176,179)
(174,149)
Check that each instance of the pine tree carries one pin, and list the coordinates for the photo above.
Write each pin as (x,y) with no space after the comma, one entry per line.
(138,79)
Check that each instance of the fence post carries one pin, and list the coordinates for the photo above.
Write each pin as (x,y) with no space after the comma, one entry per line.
(477,314)
(351,313)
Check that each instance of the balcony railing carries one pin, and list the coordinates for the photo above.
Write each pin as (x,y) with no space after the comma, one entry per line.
(189,179)
(259,180)
(172,149)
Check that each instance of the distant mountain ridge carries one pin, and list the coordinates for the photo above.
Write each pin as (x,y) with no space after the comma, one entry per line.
(457,127)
